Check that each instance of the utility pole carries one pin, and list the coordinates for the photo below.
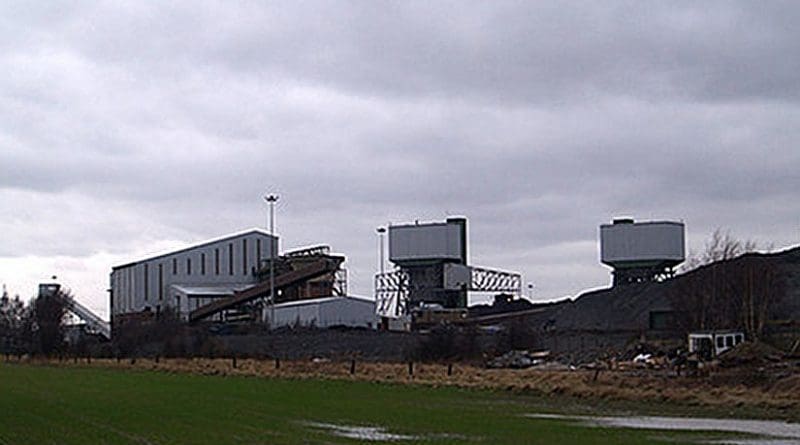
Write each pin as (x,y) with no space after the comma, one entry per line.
(271,200)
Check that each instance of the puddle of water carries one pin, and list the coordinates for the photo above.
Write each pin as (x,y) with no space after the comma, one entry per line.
(375,434)
(366,433)
(775,432)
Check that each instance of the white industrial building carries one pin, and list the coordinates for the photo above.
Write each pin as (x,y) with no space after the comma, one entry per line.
(325,313)
(186,279)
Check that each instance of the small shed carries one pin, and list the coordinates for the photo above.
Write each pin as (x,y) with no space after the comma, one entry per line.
(710,344)
(325,312)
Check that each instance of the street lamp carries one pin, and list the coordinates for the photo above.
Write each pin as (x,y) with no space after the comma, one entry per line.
(271,200)
(381,232)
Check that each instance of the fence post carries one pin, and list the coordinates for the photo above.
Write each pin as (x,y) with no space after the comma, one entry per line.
(352,366)
(233,362)
(277,363)
(411,368)
(449,369)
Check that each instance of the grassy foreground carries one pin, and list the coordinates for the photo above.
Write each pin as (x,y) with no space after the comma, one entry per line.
(42,404)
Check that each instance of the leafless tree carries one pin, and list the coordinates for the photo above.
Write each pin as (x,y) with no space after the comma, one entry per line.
(720,246)
(728,286)
(759,287)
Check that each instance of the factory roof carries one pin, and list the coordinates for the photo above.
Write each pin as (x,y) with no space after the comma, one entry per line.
(322,300)
(254,230)
(209,290)
(631,222)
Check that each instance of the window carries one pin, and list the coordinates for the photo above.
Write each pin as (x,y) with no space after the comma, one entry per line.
(230,258)
(729,341)
(202,264)
(216,260)
(146,282)
(738,338)
(188,266)
(244,256)
(174,266)
(720,342)
(258,252)
(160,282)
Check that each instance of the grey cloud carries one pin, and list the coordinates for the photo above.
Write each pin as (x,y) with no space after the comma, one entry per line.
(536,121)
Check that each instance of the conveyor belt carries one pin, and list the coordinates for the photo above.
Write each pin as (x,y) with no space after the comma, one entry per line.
(287,279)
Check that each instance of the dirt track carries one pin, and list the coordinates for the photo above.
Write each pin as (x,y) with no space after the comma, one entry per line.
(723,388)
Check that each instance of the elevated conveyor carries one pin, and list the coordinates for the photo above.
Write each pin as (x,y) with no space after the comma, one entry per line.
(314,269)
(92,320)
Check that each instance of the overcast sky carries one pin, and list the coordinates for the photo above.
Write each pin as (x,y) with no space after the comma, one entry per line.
(130,129)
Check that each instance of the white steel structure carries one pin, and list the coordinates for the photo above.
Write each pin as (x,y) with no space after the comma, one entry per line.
(186,279)
(642,251)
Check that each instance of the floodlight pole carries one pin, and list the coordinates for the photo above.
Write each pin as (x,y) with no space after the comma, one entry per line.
(271,200)
(381,232)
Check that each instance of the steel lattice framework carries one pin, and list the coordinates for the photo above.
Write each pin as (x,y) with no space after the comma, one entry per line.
(392,288)
(489,280)
(391,292)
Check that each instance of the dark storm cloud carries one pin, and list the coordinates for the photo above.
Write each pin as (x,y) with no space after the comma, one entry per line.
(123,125)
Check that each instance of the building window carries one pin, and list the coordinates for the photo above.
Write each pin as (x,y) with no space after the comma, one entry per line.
(244,256)
(216,260)
(202,264)
(160,282)
(146,282)
(188,266)
(258,252)
(174,266)
(230,258)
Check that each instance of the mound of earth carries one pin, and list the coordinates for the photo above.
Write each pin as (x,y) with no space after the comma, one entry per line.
(750,353)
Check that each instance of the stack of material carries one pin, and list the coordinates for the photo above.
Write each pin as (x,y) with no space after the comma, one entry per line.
(519,359)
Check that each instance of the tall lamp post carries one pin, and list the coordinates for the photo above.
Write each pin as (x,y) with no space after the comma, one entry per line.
(381,232)
(271,200)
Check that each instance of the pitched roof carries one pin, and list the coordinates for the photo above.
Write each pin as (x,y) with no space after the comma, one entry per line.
(254,230)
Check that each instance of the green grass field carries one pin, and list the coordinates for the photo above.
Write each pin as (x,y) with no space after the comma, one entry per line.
(51,405)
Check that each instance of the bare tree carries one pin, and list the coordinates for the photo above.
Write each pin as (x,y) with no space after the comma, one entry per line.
(720,246)
(759,287)
(728,286)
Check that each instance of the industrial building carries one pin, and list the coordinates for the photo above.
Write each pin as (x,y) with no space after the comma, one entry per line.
(432,276)
(189,278)
(325,313)
(228,279)
(642,251)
